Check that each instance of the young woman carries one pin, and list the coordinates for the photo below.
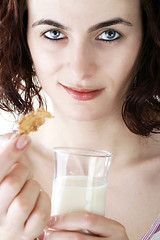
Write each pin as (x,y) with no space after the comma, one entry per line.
(99,63)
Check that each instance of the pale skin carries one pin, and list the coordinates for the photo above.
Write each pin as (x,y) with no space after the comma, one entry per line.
(86,56)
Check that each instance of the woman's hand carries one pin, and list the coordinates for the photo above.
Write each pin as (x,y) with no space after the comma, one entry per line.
(101,227)
(24,207)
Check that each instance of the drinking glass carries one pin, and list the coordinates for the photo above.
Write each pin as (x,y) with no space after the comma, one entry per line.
(80,180)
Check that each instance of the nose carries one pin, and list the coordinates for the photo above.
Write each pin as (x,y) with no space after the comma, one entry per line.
(82,61)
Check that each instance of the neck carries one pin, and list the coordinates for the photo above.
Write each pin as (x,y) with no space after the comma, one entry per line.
(106,134)
(98,134)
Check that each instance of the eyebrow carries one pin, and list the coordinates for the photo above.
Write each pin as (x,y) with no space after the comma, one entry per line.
(108,23)
(50,23)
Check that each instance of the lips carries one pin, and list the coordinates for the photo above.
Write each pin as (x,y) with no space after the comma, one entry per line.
(82,94)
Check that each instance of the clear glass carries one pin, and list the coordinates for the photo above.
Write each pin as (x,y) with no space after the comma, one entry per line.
(80,180)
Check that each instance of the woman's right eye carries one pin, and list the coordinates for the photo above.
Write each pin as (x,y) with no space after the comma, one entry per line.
(54,35)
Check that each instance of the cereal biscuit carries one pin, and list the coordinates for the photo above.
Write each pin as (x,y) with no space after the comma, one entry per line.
(32,121)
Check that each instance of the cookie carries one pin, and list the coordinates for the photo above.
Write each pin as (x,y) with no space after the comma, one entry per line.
(32,121)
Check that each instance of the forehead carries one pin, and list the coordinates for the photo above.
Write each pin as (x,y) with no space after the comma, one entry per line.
(83,11)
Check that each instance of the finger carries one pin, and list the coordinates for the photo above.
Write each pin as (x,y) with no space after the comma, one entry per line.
(42,236)
(23,204)
(12,185)
(96,224)
(11,151)
(39,216)
(67,235)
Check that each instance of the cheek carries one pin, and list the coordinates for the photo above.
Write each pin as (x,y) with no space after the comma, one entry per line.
(121,67)
(44,59)
(124,69)
(46,63)
(47,68)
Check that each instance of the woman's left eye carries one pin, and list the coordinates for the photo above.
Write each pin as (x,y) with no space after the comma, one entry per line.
(109,35)
(54,35)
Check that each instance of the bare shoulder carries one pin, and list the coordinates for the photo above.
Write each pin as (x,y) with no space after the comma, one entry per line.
(151,164)
(40,157)
(155,144)
(45,136)
(41,144)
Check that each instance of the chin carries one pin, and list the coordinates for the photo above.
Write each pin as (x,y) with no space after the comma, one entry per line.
(83,116)
(81,112)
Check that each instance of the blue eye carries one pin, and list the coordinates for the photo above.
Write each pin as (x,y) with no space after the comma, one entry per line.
(54,35)
(109,35)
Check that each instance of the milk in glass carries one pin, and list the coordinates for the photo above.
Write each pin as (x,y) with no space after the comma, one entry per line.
(78,193)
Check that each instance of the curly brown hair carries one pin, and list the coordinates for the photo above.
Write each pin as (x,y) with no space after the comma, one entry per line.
(18,85)
(141,109)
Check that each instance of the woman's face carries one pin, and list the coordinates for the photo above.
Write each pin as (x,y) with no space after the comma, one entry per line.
(85,52)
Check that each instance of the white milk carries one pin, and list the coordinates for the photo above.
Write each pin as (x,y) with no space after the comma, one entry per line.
(78,193)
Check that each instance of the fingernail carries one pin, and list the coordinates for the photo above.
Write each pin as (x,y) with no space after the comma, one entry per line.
(22,142)
(52,221)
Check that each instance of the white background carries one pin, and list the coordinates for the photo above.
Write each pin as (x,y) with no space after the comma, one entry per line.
(7,123)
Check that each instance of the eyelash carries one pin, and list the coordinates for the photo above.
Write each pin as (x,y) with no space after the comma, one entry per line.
(116,35)
(52,38)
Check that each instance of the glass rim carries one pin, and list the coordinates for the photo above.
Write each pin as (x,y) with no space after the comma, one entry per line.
(83,151)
